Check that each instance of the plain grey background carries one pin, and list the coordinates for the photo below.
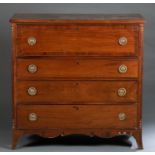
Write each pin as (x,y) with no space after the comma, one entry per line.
(77,143)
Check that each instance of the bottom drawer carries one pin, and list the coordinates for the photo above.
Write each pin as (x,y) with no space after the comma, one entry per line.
(79,116)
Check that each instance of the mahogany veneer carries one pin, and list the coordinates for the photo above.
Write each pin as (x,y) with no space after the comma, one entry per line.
(91,116)
(71,92)
(77,74)
(76,68)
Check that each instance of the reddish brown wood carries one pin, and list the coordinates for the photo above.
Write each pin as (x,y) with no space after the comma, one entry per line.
(77,40)
(76,116)
(52,133)
(77,58)
(78,18)
(77,92)
(16,135)
(59,68)
(138,137)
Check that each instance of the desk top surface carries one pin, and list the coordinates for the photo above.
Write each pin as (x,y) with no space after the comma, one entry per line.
(77,18)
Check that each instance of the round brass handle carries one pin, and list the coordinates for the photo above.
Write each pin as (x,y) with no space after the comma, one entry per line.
(33,117)
(32,68)
(123,41)
(122,68)
(121,116)
(32,91)
(121,92)
(31,41)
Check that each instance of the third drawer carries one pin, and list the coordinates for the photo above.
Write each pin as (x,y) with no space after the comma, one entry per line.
(80,92)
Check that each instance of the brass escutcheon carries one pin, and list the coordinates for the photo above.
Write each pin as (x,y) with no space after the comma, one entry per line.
(121,92)
(32,91)
(122,68)
(32,68)
(122,116)
(31,41)
(122,41)
(32,117)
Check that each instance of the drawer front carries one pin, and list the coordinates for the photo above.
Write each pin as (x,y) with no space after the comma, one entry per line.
(74,68)
(71,116)
(104,40)
(75,92)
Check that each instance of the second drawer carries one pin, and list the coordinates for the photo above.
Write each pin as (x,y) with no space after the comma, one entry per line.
(80,92)
(76,68)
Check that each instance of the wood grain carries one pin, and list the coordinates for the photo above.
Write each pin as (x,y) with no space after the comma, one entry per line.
(77,78)
(55,68)
(80,116)
(77,18)
(77,92)
(77,40)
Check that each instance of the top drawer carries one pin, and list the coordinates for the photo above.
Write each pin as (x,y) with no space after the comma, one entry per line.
(61,40)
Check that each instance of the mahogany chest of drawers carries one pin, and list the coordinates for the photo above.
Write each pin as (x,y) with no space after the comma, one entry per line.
(77,74)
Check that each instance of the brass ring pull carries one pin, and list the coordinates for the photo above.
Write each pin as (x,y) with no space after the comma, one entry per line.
(123,68)
(32,68)
(122,116)
(122,41)
(33,117)
(32,91)
(31,41)
(121,92)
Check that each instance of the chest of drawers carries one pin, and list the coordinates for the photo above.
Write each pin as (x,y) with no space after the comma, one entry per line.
(77,74)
